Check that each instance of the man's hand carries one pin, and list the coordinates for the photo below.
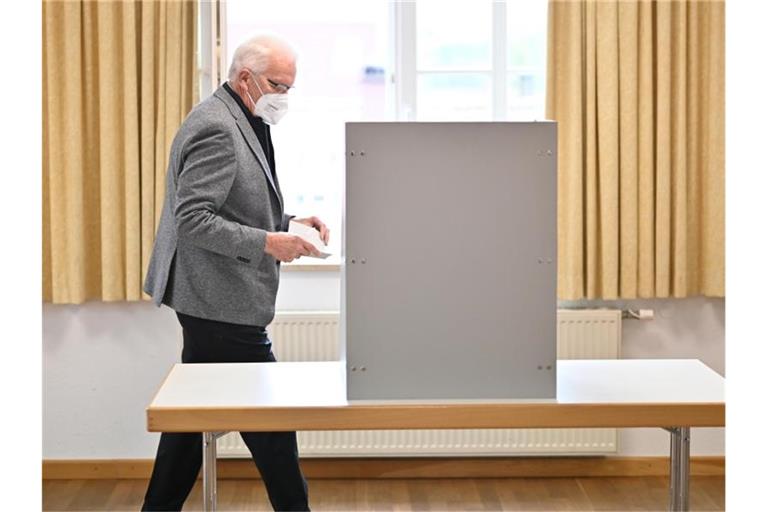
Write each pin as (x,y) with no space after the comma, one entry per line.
(316,223)
(286,247)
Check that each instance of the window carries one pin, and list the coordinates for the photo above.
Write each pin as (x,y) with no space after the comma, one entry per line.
(526,43)
(380,61)
(454,61)
(474,60)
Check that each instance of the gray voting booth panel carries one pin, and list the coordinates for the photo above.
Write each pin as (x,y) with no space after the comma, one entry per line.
(449,265)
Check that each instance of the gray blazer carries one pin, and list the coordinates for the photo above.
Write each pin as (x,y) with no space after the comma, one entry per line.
(208,259)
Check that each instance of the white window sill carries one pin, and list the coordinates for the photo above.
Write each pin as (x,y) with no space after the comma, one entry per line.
(311,265)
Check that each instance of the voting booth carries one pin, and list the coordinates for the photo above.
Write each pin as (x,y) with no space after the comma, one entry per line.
(449,266)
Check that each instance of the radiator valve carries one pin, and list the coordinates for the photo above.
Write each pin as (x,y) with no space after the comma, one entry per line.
(640,314)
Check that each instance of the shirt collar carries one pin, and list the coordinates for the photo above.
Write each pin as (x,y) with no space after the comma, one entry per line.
(248,114)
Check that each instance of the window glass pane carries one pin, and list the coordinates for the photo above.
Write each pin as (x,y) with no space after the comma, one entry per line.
(453,96)
(526,90)
(453,35)
(527,33)
(341,70)
(526,59)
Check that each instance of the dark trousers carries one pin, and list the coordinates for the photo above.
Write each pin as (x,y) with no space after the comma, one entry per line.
(180,455)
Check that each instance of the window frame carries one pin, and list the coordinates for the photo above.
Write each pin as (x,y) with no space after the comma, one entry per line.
(212,40)
(407,73)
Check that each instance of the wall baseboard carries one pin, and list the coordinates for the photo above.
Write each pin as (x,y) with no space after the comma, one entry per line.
(421,467)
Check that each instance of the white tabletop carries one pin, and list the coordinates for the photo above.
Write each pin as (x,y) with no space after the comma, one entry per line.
(638,381)
(253,384)
(312,396)
(306,384)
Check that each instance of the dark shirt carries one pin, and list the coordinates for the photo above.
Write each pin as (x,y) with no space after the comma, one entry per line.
(260,128)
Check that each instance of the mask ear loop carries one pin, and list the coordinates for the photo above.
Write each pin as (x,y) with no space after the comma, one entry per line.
(249,94)
(253,110)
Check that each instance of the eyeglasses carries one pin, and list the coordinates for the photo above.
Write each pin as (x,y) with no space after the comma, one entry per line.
(281,88)
(277,86)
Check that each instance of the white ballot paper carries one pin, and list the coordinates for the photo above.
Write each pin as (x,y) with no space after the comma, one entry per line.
(310,235)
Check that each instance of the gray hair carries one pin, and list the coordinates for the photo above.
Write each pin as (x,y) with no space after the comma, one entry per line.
(254,54)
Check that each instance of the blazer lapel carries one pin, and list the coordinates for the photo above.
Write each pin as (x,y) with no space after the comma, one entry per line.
(253,143)
(250,138)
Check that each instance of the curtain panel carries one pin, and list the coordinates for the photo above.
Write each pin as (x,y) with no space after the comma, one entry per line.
(118,79)
(637,89)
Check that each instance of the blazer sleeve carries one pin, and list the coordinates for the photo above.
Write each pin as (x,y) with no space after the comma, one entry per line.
(207,173)
(286,219)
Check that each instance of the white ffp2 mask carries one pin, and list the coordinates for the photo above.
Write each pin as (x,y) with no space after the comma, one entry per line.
(271,107)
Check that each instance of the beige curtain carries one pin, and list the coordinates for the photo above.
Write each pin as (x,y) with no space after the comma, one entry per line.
(637,88)
(118,79)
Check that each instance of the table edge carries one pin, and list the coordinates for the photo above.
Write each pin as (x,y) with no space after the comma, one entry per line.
(459,416)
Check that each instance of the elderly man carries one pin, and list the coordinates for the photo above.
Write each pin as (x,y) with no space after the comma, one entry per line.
(216,259)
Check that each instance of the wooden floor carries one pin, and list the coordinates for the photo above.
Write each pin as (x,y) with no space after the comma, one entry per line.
(620,493)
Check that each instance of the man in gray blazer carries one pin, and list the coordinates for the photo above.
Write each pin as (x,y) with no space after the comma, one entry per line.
(216,258)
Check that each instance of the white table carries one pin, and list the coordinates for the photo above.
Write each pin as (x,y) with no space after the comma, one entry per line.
(674,394)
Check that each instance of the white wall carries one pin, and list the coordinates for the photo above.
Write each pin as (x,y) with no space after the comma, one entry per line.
(102,362)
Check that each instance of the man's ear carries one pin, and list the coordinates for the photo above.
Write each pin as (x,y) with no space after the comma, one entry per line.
(242,80)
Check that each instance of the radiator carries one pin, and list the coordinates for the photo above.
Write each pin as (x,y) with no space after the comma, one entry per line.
(313,336)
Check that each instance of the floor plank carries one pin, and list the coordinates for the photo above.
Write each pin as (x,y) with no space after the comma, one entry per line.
(519,494)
